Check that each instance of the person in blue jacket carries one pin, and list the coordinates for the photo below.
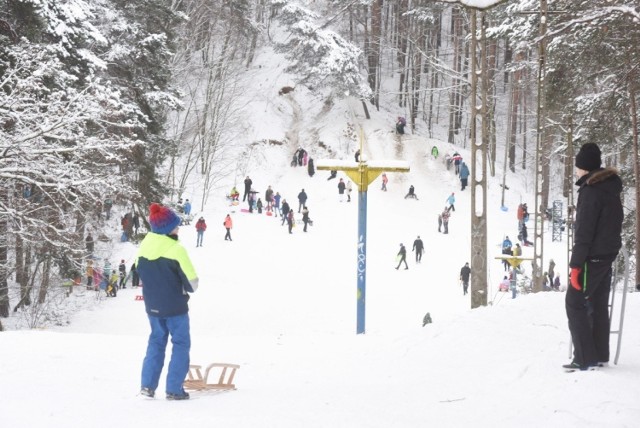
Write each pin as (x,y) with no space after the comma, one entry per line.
(464,175)
(451,200)
(168,276)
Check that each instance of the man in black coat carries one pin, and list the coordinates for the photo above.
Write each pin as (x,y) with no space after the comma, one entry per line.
(302,199)
(285,210)
(247,188)
(465,272)
(597,240)
(418,247)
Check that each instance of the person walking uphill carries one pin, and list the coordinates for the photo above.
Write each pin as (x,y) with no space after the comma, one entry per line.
(201,226)
(305,218)
(228,224)
(402,255)
(418,247)
(341,188)
(302,199)
(285,211)
(465,272)
(597,241)
(464,176)
(451,200)
(168,276)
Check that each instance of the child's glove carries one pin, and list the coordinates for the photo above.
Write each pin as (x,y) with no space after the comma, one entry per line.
(575,278)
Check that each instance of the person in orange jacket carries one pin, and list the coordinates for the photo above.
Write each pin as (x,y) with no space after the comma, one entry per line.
(228,224)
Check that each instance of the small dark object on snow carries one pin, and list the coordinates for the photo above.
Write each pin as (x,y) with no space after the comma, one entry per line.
(285,90)
(427,319)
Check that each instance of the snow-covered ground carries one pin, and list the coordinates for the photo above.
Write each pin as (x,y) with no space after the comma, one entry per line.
(284,308)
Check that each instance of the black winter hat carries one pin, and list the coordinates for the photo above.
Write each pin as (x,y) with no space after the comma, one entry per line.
(588,158)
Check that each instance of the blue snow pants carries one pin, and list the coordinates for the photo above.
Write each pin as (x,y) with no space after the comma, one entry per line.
(161,328)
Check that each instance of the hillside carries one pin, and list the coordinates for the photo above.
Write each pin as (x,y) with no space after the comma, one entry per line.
(283,307)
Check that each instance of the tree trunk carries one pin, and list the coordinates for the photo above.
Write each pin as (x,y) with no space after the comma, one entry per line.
(21,278)
(45,280)
(403,46)
(436,41)
(492,49)
(633,110)
(523,124)
(4,272)
(373,55)
(30,281)
(455,101)
(545,158)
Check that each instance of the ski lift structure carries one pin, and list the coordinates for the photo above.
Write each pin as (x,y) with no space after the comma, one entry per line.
(362,173)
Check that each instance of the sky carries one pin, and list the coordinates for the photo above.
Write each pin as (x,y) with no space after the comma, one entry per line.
(283,307)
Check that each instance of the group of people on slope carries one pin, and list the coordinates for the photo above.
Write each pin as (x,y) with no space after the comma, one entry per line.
(460,168)
(443,217)
(301,158)
(109,280)
(599,214)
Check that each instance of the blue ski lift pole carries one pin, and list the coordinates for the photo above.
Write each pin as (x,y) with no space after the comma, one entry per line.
(362,173)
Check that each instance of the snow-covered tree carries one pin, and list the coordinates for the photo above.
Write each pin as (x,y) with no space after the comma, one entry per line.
(320,57)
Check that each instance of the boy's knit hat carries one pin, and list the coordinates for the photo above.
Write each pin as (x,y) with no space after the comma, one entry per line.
(162,219)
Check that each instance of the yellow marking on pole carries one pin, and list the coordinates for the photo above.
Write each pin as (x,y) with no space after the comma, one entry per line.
(514,261)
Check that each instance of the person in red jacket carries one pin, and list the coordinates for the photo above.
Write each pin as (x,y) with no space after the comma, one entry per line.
(201,226)
(228,224)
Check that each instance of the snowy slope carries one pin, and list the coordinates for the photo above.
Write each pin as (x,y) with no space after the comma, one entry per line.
(283,307)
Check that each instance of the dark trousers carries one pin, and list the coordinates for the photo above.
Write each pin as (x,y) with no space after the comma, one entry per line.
(588,314)
(403,259)
(465,286)
(228,235)
(418,256)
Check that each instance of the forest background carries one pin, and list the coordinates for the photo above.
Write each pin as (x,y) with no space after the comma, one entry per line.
(130,100)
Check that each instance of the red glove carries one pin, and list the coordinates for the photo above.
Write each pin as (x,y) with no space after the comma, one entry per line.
(575,278)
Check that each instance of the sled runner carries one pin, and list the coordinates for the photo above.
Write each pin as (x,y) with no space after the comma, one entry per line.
(195,381)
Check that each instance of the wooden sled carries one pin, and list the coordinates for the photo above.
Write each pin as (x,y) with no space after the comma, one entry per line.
(196,382)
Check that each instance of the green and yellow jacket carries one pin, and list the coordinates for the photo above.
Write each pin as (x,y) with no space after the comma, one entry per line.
(167,275)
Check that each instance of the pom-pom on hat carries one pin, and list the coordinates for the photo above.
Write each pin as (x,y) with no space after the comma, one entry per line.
(162,219)
(588,158)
